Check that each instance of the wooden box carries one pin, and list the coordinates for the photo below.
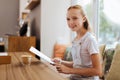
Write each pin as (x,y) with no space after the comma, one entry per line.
(20,44)
(5,59)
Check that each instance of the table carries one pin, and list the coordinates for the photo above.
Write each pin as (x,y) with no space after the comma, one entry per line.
(38,70)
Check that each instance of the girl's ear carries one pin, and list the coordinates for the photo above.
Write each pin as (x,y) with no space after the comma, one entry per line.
(84,19)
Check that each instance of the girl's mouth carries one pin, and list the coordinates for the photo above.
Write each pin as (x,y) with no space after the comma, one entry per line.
(74,26)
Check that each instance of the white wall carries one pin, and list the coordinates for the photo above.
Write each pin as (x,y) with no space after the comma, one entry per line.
(53,23)
(22,6)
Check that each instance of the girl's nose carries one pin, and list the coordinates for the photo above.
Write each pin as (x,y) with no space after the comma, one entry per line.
(71,22)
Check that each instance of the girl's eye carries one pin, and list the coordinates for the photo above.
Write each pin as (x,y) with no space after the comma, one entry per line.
(73,18)
(68,19)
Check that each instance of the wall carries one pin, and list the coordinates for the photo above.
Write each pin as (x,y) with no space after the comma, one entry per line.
(53,23)
(22,7)
(9,11)
(48,22)
(35,22)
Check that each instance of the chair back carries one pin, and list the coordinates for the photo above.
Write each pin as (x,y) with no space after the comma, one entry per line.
(114,71)
(102,51)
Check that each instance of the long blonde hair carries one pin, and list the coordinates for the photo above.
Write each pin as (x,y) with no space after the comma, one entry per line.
(86,23)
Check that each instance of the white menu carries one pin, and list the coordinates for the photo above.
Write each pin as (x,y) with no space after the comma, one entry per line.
(41,55)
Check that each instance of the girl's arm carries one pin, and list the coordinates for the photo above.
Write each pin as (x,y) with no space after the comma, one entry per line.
(66,63)
(93,71)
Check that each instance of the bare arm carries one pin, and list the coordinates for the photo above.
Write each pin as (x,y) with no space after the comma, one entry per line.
(95,70)
(67,63)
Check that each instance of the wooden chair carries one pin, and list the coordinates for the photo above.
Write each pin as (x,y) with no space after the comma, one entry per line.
(114,71)
(102,51)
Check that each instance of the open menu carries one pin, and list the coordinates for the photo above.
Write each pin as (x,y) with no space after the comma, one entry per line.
(41,55)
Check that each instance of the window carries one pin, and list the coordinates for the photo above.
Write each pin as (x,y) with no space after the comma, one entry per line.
(109,22)
(105,19)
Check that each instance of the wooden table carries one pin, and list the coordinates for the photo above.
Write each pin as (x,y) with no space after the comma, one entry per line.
(36,71)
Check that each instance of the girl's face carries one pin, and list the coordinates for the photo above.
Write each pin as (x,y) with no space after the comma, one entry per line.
(75,20)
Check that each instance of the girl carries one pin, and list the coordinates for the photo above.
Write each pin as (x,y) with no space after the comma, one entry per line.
(86,60)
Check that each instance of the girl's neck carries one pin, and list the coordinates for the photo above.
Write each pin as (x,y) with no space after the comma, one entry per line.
(80,34)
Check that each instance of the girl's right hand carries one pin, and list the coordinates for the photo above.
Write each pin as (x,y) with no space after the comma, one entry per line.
(57,60)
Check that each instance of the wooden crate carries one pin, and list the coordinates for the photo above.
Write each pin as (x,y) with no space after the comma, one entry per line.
(20,44)
(5,59)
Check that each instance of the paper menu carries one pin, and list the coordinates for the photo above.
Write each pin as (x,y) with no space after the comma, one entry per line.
(41,55)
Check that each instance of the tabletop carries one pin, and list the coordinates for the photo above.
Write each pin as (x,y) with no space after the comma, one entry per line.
(38,70)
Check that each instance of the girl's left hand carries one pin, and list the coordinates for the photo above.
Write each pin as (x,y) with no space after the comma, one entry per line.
(62,69)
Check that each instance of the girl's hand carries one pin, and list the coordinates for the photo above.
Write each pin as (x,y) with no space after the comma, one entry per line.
(57,60)
(63,69)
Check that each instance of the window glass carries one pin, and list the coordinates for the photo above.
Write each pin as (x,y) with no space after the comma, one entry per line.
(109,22)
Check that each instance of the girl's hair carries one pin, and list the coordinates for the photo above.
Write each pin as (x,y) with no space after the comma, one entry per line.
(86,23)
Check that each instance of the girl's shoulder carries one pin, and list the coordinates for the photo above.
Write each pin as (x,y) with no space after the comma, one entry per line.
(91,36)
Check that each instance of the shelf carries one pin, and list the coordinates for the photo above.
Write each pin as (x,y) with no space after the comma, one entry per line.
(32,4)
(24,15)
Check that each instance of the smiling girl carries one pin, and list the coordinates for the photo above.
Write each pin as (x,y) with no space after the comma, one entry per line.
(85,53)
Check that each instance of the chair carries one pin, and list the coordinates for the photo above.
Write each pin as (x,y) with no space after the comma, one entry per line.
(59,50)
(114,70)
(102,51)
